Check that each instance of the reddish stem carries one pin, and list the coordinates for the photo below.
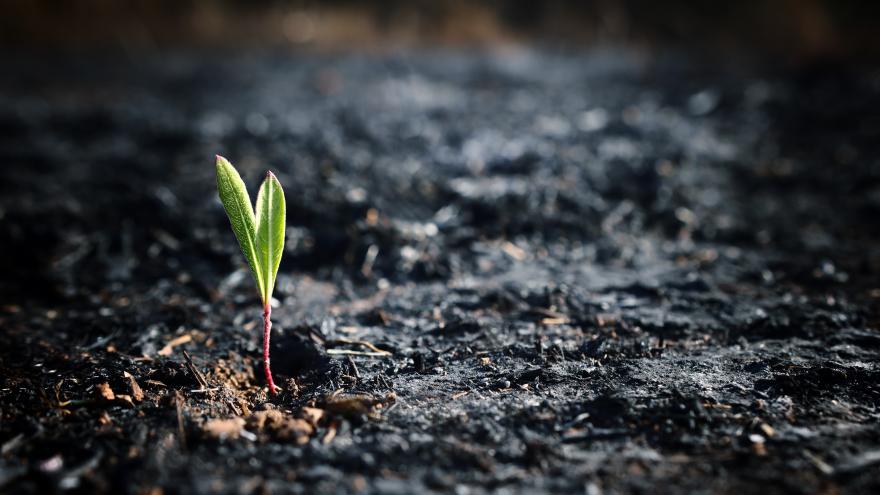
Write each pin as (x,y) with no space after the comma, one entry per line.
(267,332)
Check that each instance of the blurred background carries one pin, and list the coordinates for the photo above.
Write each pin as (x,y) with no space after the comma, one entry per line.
(788,30)
(729,123)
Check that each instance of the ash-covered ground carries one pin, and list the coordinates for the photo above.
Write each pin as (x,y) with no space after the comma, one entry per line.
(512,272)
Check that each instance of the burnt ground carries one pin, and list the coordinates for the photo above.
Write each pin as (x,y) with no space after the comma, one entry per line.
(517,272)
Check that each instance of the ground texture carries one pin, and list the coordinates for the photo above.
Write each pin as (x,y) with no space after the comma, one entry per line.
(517,272)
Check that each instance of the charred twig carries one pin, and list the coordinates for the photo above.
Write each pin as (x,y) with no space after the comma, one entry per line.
(181,432)
(362,343)
(200,378)
(354,368)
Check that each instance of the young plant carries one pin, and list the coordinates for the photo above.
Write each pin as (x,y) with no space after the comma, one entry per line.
(260,236)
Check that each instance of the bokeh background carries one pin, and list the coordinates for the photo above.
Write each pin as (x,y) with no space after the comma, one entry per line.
(789,30)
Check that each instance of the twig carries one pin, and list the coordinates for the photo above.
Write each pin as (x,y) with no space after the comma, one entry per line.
(204,390)
(200,378)
(354,368)
(820,464)
(357,353)
(169,347)
(181,433)
(363,343)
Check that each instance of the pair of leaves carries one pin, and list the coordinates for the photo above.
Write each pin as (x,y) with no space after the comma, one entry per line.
(260,236)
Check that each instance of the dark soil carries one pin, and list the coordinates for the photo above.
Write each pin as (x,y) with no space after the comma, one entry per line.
(517,273)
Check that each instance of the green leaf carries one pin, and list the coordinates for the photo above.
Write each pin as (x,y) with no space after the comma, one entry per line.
(270,231)
(237,203)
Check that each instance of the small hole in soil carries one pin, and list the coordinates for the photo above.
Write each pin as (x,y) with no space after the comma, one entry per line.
(295,355)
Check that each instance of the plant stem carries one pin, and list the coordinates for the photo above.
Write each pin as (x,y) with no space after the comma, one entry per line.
(267,332)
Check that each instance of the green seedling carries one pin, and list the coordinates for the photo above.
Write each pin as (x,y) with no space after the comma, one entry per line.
(260,236)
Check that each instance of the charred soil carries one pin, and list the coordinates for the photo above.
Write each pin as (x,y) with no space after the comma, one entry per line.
(516,273)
